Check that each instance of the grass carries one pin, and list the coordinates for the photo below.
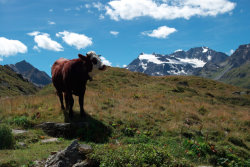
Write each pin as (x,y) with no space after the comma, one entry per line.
(12,84)
(238,76)
(173,115)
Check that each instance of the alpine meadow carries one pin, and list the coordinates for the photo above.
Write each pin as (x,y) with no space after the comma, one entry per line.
(124,83)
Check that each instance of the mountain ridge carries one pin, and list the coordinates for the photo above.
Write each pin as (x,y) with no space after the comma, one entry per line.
(34,75)
(198,61)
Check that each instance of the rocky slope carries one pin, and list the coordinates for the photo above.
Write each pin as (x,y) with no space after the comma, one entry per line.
(34,75)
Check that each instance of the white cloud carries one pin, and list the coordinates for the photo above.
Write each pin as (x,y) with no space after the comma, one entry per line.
(115,33)
(80,41)
(87,6)
(44,41)
(9,47)
(161,32)
(51,10)
(101,16)
(99,6)
(34,33)
(105,61)
(78,8)
(124,66)
(130,9)
(51,23)
(36,48)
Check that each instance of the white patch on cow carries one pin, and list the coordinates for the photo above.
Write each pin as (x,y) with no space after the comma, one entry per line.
(96,67)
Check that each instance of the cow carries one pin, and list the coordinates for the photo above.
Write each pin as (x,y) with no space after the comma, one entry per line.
(70,77)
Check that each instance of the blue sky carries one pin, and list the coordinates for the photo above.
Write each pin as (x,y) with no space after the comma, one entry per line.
(41,31)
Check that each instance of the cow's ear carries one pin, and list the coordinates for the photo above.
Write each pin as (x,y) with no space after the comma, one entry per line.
(84,58)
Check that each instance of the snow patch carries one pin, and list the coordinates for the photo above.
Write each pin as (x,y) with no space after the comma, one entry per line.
(205,49)
(194,62)
(209,57)
(178,50)
(150,58)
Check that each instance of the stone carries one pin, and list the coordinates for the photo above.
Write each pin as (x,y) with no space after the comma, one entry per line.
(51,140)
(73,155)
(84,163)
(17,131)
(22,144)
(84,148)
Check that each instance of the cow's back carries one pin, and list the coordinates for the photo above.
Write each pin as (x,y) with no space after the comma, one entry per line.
(75,75)
(57,75)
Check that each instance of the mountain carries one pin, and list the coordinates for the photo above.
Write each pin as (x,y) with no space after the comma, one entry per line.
(236,70)
(12,83)
(177,63)
(34,75)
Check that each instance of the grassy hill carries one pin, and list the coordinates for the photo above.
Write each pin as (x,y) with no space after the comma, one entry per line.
(12,83)
(153,121)
(239,76)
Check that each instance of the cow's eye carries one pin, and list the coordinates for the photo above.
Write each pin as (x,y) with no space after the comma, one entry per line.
(94,61)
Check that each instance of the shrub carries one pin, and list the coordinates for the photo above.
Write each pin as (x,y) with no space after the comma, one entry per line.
(202,110)
(130,155)
(6,137)
(21,121)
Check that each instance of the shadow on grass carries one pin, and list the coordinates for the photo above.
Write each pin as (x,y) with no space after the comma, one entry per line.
(87,128)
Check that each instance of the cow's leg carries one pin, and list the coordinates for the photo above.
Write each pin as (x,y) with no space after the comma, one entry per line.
(71,103)
(81,103)
(60,95)
(66,98)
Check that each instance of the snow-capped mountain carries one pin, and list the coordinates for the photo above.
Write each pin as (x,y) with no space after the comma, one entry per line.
(177,63)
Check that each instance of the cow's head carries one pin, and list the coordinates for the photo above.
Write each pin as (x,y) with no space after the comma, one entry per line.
(94,63)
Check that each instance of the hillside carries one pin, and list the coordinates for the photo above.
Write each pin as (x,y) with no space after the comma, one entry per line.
(140,120)
(37,77)
(12,83)
(239,76)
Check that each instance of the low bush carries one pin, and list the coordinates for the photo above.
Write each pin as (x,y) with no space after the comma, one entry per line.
(6,138)
(22,121)
(130,155)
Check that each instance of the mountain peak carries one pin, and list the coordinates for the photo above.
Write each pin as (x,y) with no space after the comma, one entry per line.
(177,63)
(28,71)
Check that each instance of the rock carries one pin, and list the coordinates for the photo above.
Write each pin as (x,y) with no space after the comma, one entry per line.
(17,132)
(84,148)
(22,144)
(73,155)
(51,140)
(61,129)
(84,163)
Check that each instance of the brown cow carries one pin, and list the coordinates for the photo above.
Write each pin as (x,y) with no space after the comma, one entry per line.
(70,77)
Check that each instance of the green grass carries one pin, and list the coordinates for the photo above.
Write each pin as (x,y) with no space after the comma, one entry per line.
(238,76)
(159,120)
(12,83)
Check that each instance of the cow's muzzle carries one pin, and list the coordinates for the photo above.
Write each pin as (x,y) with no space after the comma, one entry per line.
(103,68)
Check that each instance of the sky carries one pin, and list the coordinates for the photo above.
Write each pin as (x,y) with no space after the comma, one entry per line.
(42,31)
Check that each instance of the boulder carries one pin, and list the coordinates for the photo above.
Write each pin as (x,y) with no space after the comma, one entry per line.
(51,140)
(73,155)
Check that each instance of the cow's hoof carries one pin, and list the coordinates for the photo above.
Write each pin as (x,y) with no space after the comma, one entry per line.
(82,114)
(71,114)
